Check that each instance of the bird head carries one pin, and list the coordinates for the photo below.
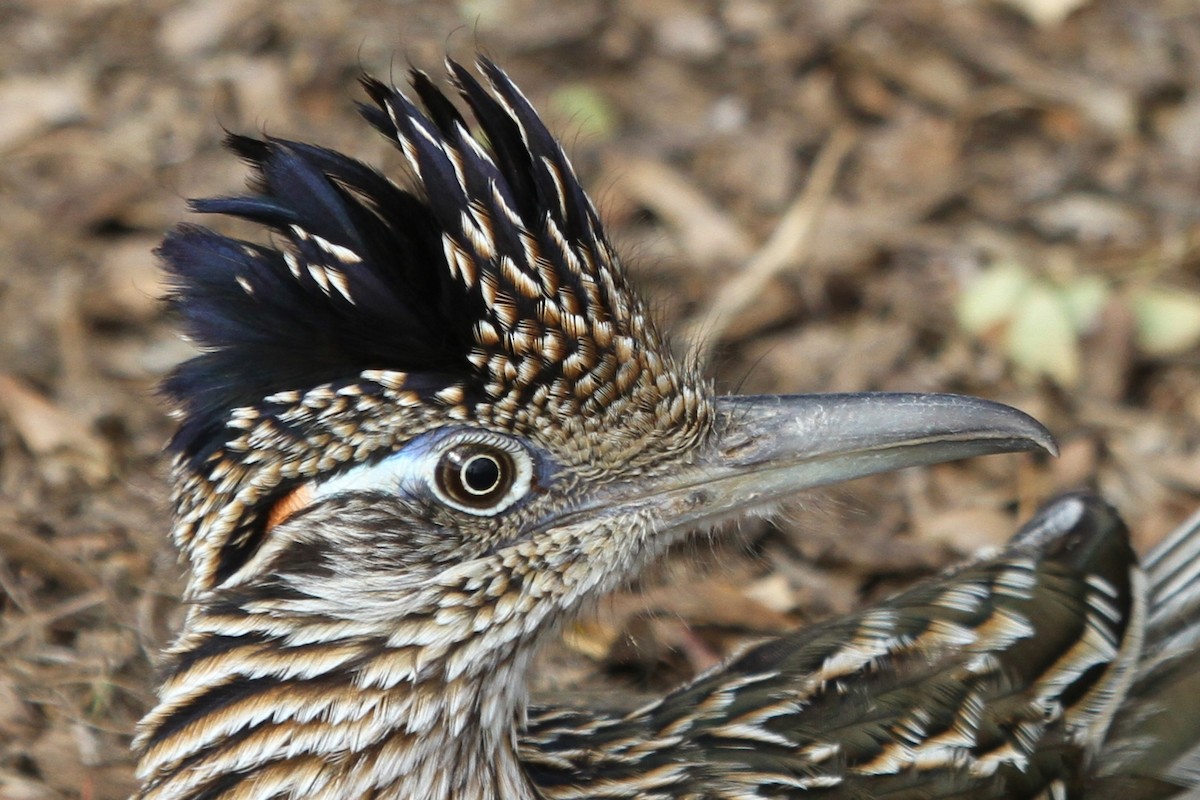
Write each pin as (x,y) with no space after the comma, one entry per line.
(449,389)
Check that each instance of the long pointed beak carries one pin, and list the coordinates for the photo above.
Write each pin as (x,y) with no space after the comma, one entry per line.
(826,438)
(768,447)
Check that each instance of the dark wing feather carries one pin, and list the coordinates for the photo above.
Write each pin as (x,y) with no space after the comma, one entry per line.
(960,687)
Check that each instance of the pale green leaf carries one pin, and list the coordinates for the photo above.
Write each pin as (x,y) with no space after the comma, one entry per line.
(1084,298)
(1168,321)
(586,108)
(1042,338)
(992,298)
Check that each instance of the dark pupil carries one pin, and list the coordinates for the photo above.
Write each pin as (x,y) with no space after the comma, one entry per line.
(481,474)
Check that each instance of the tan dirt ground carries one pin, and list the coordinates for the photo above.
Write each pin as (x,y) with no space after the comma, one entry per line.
(815,187)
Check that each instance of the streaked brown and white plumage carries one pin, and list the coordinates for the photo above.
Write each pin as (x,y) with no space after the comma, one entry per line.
(427,425)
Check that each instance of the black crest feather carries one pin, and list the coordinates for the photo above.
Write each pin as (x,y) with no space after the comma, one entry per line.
(356,276)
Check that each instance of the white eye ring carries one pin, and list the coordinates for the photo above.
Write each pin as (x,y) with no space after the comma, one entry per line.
(476,472)
(481,475)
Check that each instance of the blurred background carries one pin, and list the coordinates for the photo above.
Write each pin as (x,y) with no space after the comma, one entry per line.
(1000,198)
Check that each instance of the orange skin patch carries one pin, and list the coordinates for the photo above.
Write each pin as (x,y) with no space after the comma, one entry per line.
(290,504)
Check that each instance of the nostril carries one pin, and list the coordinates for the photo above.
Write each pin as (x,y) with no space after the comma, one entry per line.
(740,448)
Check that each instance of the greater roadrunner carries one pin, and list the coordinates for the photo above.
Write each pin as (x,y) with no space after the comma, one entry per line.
(428,424)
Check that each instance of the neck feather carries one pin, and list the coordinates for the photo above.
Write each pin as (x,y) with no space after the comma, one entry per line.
(272,696)
(335,669)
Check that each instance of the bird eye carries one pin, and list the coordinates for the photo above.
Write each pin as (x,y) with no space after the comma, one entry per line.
(482,477)
(477,472)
